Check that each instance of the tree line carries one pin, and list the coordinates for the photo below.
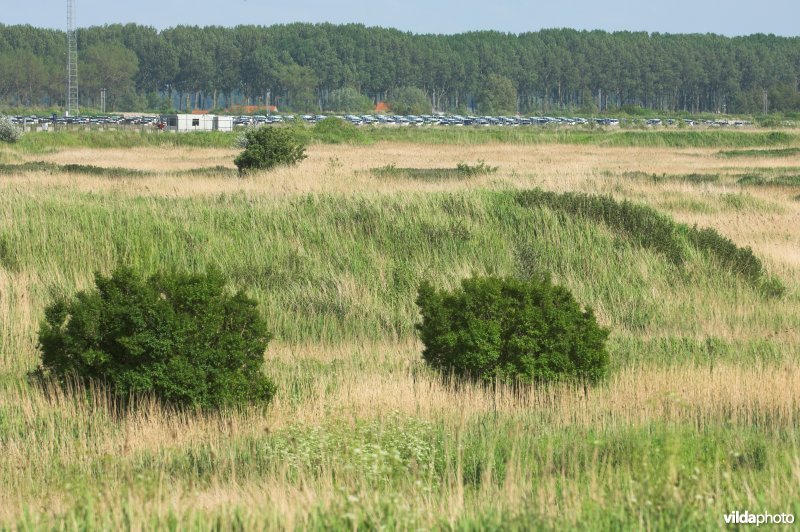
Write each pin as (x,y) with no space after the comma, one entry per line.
(314,67)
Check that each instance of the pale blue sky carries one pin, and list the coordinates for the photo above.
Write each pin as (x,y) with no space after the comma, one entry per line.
(731,17)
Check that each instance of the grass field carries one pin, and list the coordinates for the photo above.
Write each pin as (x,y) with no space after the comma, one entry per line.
(698,417)
(780,141)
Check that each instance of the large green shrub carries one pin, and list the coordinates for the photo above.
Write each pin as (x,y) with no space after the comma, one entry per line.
(181,337)
(266,147)
(513,330)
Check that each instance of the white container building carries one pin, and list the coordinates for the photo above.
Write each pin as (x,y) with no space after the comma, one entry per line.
(184,122)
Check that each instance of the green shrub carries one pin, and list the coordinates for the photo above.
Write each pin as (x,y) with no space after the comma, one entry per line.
(9,132)
(178,336)
(269,146)
(511,329)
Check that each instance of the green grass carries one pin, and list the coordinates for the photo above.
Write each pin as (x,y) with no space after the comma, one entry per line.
(661,139)
(680,203)
(742,202)
(47,142)
(84,169)
(759,180)
(665,178)
(652,230)
(209,171)
(675,476)
(778,152)
(102,171)
(461,171)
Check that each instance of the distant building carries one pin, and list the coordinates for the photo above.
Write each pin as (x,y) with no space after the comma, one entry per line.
(194,122)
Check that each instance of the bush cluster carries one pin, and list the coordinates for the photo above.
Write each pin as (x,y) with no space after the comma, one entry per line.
(512,330)
(179,336)
(9,132)
(267,147)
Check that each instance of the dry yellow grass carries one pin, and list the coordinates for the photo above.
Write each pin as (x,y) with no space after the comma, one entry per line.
(723,394)
(726,395)
(543,159)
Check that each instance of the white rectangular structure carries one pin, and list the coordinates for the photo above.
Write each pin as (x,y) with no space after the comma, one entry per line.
(184,122)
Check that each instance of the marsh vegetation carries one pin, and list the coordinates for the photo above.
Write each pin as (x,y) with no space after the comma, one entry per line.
(693,272)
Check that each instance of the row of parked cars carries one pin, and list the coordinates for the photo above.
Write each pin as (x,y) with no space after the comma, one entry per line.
(458,120)
(689,122)
(442,120)
(32,120)
(401,120)
(470,120)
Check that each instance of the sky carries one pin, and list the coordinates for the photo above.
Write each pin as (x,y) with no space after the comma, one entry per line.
(726,17)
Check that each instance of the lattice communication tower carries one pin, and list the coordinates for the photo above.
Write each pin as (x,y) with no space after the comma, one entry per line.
(72,61)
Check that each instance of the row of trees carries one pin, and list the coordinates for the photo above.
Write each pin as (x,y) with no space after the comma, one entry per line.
(306,67)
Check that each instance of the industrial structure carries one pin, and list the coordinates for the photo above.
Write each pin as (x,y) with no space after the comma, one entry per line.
(72,62)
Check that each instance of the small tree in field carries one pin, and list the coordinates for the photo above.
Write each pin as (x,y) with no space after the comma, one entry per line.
(181,337)
(511,330)
(269,146)
(9,132)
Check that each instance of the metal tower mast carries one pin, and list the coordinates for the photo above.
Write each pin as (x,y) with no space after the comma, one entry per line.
(72,61)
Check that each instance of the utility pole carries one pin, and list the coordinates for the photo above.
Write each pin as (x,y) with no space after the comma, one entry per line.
(766,101)
(103,100)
